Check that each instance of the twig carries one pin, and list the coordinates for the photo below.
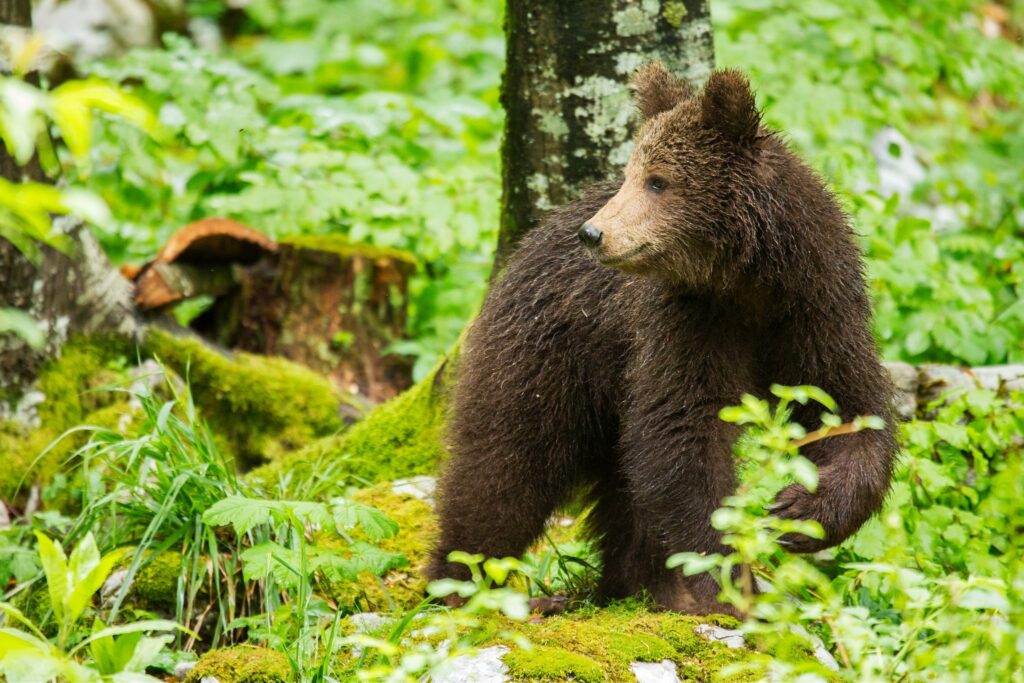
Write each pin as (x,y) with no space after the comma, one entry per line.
(826,432)
(843,654)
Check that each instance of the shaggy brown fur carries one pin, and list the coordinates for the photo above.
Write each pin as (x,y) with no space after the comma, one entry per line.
(734,268)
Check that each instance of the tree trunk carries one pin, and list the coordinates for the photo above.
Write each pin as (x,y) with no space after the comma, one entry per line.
(67,293)
(565,94)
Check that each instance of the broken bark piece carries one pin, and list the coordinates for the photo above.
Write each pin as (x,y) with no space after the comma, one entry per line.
(216,241)
(164,284)
(196,261)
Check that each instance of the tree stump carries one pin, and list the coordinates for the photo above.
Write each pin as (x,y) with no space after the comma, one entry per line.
(323,302)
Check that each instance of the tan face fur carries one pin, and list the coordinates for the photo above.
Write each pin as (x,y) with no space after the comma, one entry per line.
(670,218)
(628,221)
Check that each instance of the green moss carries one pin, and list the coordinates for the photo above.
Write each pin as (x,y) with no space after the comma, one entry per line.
(552,664)
(341,246)
(611,639)
(73,382)
(417,529)
(242,664)
(155,586)
(21,446)
(674,13)
(260,407)
(396,439)
(74,386)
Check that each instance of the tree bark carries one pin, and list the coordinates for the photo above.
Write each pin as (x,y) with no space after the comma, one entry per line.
(569,114)
(67,293)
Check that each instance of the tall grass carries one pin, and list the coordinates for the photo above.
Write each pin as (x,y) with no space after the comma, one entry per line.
(156,485)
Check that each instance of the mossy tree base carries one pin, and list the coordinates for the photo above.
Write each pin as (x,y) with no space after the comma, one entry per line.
(258,407)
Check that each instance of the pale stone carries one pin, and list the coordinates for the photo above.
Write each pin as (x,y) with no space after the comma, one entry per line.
(944,380)
(422,487)
(727,636)
(182,669)
(905,379)
(655,672)
(485,666)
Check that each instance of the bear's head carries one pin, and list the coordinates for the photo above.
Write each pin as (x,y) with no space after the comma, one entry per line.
(680,212)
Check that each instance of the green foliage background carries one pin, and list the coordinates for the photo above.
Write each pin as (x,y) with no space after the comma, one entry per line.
(380,120)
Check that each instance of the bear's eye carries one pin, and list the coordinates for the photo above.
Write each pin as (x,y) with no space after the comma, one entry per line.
(656,184)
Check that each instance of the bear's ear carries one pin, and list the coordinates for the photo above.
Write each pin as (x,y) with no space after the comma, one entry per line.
(727,105)
(656,90)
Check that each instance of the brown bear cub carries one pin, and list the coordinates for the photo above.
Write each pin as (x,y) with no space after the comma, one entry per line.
(720,265)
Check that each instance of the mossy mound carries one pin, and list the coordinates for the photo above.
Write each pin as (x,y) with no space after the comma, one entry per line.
(553,664)
(599,644)
(155,586)
(399,589)
(400,438)
(21,446)
(75,386)
(259,407)
(242,664)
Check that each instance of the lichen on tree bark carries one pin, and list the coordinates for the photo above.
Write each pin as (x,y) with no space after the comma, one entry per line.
(569,116)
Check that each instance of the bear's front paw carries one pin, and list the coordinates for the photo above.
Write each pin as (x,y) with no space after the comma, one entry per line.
(796,502)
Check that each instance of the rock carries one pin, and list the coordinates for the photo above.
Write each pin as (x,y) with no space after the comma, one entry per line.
(997,377)
(905,381)
(182,669)
(422,488)
(111,586)
(364,622)
(942,380)
(727,636)
(822,654)
(91,29)
(655,672)
(485,666)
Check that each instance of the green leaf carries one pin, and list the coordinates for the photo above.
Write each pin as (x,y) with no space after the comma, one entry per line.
(272,559)
(805,472)
(241,513)
(694,563)
(55,566)
(134,627)
(245,514)
(74,101)
(374,523)
(24,658)
(23,325)
(87,572)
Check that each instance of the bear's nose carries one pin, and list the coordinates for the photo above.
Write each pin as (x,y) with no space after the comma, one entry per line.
(589,235)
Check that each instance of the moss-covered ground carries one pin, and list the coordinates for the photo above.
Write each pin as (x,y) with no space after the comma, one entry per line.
(242,664)
(77,390)
(402,588)
(598,645)
(400,438)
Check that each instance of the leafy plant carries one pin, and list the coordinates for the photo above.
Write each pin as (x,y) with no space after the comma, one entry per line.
(943,239)
(119,653)
(285,562)
(894,607)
